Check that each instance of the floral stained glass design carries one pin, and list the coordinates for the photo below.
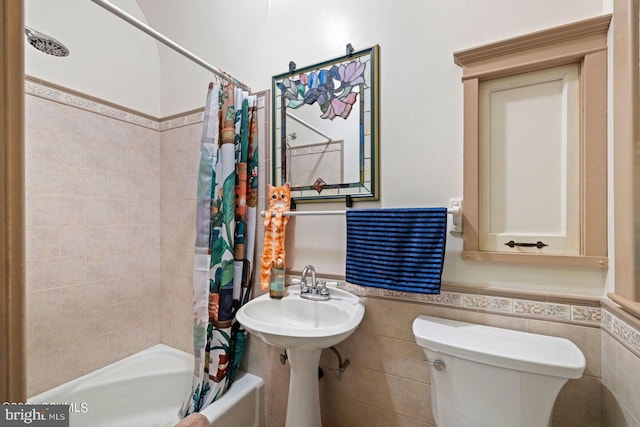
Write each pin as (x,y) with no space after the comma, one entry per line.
(335,89)
(320,156)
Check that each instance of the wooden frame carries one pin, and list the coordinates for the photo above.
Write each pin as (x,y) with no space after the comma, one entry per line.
(585,43)
(12,205)
(284,86)
(626,172)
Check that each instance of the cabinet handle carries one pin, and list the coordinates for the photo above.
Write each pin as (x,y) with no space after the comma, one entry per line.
(538,244)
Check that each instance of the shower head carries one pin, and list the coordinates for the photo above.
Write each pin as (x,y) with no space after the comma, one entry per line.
(45,43)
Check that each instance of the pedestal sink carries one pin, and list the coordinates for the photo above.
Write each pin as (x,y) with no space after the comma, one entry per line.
(303,328)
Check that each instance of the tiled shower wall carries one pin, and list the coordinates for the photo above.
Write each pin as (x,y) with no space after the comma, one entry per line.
(179,157)
(93,240)
(110,231)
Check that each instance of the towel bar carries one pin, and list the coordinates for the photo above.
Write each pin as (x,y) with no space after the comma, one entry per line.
(450,211)
(455,210)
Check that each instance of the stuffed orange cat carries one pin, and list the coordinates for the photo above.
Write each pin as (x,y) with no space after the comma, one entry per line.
(275,223)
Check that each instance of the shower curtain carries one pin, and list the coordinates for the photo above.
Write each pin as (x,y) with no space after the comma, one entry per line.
(225,240)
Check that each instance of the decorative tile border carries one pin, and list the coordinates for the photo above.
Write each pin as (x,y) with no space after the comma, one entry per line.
(560,312)
(451,299)
(401,295)
(85,102)
(587,315)
(88,103)
(550,311)
(365,291)
(187,119)
(622,331)
(488,303)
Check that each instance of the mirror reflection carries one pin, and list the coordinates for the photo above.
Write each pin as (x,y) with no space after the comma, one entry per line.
(325,128)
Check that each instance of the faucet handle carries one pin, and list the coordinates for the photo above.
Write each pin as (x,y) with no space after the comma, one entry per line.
(322,288)
(304,287)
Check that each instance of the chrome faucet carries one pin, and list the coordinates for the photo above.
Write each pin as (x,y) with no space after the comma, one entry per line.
(303,277)
(316,291)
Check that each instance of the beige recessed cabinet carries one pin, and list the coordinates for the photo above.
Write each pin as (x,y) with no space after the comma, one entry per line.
(535,150)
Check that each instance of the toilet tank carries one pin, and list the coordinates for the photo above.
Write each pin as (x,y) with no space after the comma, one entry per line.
(494,377)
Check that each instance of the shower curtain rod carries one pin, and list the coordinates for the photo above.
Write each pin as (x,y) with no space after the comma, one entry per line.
(167,41)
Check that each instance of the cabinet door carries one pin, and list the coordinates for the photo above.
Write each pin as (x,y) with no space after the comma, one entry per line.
(529,162)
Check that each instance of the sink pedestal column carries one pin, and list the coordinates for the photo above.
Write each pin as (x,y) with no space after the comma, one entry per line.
(303,405)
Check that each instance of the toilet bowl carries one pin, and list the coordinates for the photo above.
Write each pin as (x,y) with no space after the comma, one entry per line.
(482,376)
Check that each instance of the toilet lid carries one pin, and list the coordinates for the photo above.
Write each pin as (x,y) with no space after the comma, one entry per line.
(522,351)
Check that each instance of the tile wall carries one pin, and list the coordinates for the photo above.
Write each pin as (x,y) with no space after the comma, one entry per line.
(111,226)
(179,157)
(620,368)
(89,277)
(386,382)
(93,237)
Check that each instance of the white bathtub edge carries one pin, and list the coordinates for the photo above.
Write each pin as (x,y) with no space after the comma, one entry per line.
(246,392)
(244,384)
(45,396)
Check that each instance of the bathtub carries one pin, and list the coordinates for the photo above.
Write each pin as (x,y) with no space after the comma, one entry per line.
(147,389)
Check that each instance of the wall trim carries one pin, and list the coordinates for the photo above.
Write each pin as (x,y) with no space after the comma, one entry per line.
(13,378)
(573,309)
(592,27)
(184,119)
(626,133)
(579,310)
(585,311)
(622,326)
(62,95)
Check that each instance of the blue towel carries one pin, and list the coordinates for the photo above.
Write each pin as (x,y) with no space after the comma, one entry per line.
(397,249)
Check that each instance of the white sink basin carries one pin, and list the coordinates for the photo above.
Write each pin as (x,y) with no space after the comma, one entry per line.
(299,324)
(302,327)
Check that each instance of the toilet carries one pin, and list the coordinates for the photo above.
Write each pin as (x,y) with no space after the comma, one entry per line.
(482,376)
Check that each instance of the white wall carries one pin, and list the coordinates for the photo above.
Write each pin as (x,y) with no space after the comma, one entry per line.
(421,95)
(190,24)
(109,59)
(421,104)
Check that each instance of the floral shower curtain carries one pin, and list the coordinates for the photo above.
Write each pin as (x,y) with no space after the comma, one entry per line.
(225,240)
